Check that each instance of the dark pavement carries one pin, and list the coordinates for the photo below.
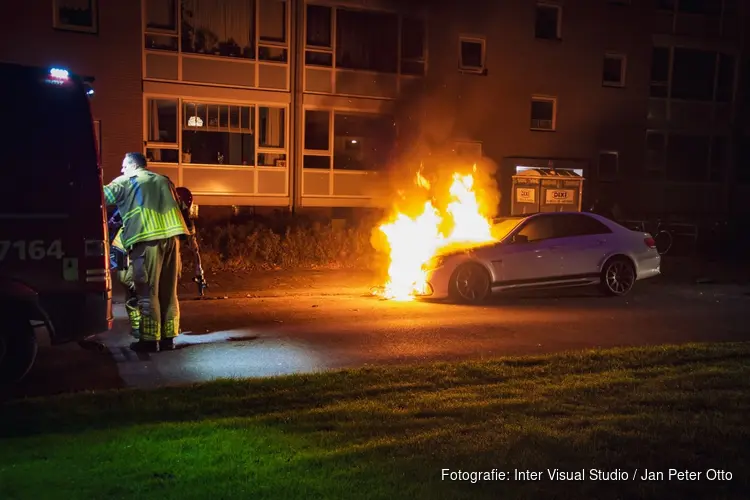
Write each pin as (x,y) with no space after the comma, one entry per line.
(280,323)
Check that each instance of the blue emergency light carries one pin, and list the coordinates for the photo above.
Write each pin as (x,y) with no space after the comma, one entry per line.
(62,74)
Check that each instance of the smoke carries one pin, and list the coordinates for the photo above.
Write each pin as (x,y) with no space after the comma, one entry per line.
(428,129)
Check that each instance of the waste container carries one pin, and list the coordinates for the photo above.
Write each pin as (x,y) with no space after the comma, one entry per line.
(546,190)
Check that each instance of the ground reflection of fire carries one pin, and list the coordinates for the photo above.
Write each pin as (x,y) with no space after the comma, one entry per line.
(413,241)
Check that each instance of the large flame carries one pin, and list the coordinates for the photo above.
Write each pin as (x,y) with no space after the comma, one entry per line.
(413,241)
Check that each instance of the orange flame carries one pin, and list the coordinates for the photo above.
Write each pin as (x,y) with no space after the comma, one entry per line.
(414,241)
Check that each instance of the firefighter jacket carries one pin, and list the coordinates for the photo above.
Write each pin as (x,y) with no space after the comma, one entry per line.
(148,205)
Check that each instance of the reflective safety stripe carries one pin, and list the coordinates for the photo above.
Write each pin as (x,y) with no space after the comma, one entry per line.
(109,196)
(149,328)
(171,328)
(153,225)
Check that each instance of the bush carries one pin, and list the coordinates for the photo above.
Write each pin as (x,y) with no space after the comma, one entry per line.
(292,244)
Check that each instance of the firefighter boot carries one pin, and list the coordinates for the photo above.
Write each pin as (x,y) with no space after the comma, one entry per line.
(134,315)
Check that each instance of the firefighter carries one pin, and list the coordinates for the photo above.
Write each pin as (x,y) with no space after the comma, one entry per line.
(186,199)
(152,226)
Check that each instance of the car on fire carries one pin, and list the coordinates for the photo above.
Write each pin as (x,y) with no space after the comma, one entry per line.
(544,250)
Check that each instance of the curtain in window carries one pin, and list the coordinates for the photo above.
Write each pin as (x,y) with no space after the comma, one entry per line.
(274,126)
(222,20)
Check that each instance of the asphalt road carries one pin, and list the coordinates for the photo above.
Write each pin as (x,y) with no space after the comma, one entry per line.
(325,329)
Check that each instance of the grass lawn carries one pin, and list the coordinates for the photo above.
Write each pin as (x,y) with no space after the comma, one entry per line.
(388,432)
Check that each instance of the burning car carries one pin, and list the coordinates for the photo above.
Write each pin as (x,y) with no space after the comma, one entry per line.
(559,249)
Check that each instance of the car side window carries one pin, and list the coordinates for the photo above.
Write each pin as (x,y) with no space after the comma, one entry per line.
(538,228)
(578,225)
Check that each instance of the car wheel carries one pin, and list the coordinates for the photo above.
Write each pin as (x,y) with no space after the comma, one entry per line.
(618,277)
(18,348)
(470,284)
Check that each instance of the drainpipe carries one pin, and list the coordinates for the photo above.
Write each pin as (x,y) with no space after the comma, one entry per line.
(297,126)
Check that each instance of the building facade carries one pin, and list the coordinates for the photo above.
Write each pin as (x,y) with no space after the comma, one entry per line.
(293,103)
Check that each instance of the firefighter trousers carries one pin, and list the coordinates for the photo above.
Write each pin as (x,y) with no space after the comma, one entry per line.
(156,266)
(131,300)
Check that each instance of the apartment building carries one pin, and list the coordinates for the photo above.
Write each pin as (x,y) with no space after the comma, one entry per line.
(293,103)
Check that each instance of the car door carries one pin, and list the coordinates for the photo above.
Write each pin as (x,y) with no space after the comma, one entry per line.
(535,259)
(582,243)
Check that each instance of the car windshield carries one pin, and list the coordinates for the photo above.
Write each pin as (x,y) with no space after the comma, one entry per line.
(503,228)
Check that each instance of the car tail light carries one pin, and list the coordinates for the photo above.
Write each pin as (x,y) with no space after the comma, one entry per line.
(650,242)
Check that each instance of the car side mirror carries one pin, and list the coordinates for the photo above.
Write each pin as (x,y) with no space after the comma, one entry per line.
(520,238)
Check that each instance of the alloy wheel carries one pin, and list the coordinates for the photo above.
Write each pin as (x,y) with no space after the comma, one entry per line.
(620,277)
(471,283)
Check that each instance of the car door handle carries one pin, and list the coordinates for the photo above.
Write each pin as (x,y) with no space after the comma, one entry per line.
(555,247)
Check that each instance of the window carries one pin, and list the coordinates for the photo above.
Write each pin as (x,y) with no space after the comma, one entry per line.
(161,15)
(471,54)
(317,130)
(271,137)
(725,78)
(318,39)
(162,130)
(317,140)
(655,151)
(218,134)
(219,28)
(608,165)
(719,163)
(613,70)
(367,40)
(693,74)
(659,72)
(687,157)
(161,25)
(413,36)
(548,22)
(469,149)
(362,141)
(570,225)
(76,15)
(543,113)
(272,32)
(272,25)
(538,228)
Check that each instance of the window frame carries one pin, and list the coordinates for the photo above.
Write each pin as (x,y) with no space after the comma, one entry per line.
(543,98)
(57,23)
(623,58)
(476,39)
(181,101)
(549,5)
(610,152)
(258,43)
(477,144)
(331,151)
